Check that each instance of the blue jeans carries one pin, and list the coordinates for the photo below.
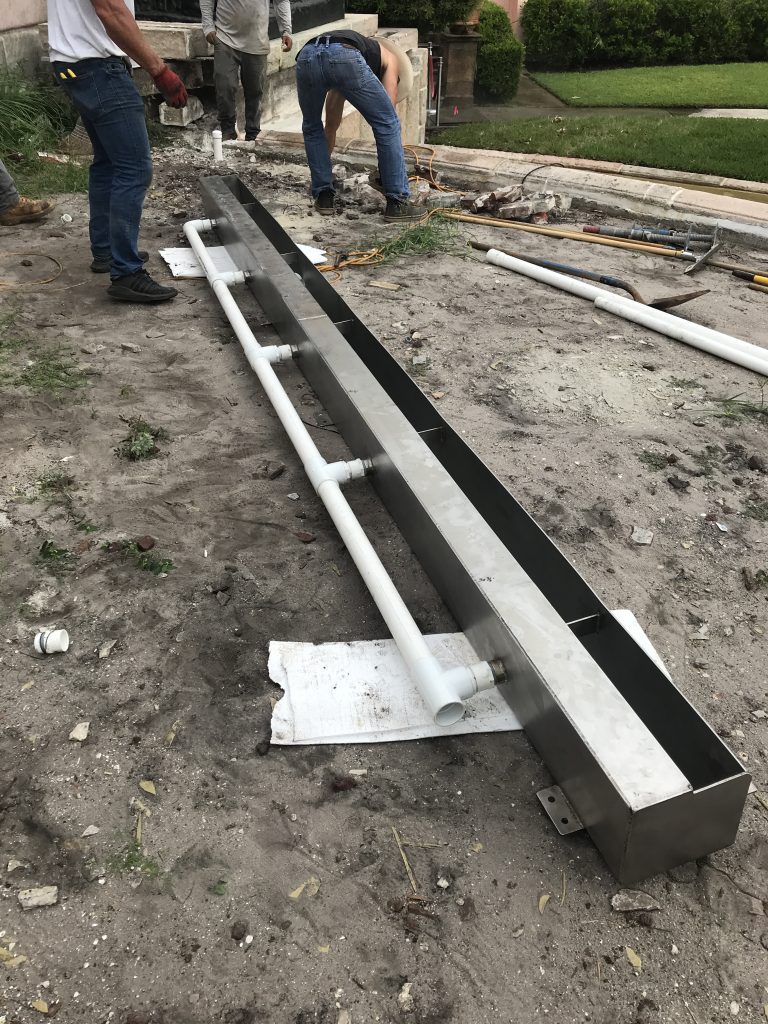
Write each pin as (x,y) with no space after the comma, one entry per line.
(322,66)
(9,197)
(112,111)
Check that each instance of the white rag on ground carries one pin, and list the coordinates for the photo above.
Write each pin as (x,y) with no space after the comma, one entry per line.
(361,692)
(183,262)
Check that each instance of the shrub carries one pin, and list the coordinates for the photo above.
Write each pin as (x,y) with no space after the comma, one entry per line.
(573,34)
(499,55)
(426,15)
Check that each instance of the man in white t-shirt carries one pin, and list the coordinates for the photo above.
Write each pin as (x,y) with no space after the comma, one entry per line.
(90,43)
(239,33)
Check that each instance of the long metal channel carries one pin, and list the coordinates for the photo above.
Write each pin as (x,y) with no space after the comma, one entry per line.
(653,784)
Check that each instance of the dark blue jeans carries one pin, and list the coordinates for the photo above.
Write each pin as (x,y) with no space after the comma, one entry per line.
(112,111)
(322,66)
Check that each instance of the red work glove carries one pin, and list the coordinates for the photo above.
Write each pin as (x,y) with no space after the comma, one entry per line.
(172,87)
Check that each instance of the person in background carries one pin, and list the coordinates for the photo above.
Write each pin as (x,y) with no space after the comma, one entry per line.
(90,43)
(16,209)
(239,33)
(367,72)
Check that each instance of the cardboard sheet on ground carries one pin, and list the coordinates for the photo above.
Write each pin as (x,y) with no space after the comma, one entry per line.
(361,692)
(183,263)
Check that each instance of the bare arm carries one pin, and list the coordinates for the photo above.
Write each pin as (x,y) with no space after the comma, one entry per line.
(389,75)
(334,106)
(121,27)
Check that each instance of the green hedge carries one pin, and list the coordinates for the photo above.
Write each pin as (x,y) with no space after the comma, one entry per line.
(571,34)
(425,15)
(499,55)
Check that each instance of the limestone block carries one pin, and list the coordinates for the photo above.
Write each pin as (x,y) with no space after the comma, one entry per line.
(180,118)
(21,47)
(176,40)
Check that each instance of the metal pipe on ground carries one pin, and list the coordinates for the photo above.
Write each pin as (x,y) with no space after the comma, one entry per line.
(667,302)
(661,235)
(734,350)
(443,690)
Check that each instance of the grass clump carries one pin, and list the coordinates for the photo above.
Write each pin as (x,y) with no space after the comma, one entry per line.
(707,459)
(654,460)
(432,236)
(141,440)
(51,371)
(728,147)
(133,859)
(218,888)
(757,510)
(147,561)
(737,408)
(56,559)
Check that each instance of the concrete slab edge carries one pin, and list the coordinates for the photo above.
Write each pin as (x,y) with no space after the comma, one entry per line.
(740,220)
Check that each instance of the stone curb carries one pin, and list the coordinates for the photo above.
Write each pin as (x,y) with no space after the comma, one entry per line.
(605,190)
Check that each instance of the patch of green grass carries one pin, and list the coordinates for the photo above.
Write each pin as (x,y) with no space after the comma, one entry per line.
(757,510)
(56,486)
(707,459)
(56,559)
(432,236)
(723,146)
(654,460)
(698,85)
(737,408)
(147,561)
(133,859)
(86,526)
(141,441)
(760,579)
(51,371)
(218,888)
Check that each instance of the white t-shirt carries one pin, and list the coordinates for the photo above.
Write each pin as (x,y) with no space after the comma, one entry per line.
(76,32)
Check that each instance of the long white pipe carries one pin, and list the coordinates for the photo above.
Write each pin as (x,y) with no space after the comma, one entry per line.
(743,353)
(443,690)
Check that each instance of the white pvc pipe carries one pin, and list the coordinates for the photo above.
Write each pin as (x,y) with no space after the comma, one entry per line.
(443,690)
(742,353)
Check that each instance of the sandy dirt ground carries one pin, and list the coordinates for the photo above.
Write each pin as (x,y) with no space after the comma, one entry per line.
(584,417)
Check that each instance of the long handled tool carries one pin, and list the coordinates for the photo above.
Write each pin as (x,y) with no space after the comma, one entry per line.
(754,278)
(664,236)
(666,302)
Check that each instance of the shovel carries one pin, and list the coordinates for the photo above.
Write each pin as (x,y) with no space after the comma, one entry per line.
(667,302)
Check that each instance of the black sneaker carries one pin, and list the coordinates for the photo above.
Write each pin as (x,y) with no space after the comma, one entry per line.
(251,137)
(228,135)
(139,287)
(324,203)
(102,264)
(400,211)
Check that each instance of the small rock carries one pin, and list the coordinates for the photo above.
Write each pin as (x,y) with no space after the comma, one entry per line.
(420,360)
(154,334)
(627,900)
(674,950)
(735,1009)
(239,930)
(443,883)
(80,733)
(293,496)
(13,865)
(352,216)
(649,366)
(145,543)
(105,650)
(641,536)
(92,830)
(304,536)
(129,346)
(345,1017)
(758,715)
(677,483)
(223,597)
(758,462)
(405,999)
(45,896)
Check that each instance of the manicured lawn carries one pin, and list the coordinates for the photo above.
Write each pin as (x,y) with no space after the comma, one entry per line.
(727,147)
(700,85)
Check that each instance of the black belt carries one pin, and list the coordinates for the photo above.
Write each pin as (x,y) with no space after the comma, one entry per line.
(330,38)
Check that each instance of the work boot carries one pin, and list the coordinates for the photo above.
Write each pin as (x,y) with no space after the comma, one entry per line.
(324,203)
(102,264)
(24,210)
(251,136)
(139,287)
(228,135)
(400,211)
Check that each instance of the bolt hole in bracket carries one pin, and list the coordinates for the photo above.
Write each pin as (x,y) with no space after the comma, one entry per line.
(651,781)
(559,810)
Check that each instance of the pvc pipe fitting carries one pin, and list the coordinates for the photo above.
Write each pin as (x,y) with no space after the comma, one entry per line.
(218,150)
(52,641)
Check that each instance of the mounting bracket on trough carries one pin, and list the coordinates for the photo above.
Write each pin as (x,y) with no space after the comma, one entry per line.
(651,782)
